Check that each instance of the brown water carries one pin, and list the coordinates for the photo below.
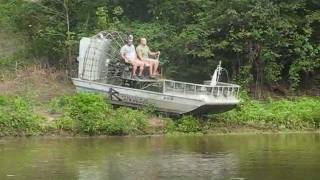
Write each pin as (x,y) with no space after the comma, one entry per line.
(291,156)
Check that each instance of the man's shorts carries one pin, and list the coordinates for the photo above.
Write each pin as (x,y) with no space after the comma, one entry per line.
(148,61)
(130,60)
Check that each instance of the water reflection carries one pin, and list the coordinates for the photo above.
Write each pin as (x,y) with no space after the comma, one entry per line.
(292,156)
(183,166)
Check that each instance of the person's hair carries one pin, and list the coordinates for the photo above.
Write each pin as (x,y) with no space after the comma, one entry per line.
(142,39)
(130,37)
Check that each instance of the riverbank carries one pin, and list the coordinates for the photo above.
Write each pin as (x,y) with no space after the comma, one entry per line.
(89,114)
(39,102)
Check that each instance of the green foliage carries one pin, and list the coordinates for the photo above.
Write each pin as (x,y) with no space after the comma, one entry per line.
(9,64)
(87,113)
(169,126)
(316,119)
(297,113)
(149,109)
(65,123)
(87,110)
(186,124)
(17,117)
(91,114)
(102,18)
(56,105)
(127,121)
(158,36)
(259,41)
(244,77)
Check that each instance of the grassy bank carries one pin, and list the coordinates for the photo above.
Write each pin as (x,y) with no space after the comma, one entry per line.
(18,118)
(39,102)
(87,113)
(296,113)
(91,114)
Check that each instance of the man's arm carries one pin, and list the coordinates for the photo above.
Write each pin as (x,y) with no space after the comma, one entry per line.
(123,55)
(154,53)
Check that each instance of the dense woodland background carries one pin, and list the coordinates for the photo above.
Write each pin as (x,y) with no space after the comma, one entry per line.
(266,45)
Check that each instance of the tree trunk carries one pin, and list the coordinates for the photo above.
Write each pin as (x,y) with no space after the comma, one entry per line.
(254,50)
(69,57)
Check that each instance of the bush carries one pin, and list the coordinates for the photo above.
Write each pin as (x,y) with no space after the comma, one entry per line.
(87,110)
(90,113)
(316,119)
(186,124)
(56,105)
(297,113)
(126,121)
(65,123)
(17,117)
(170,126)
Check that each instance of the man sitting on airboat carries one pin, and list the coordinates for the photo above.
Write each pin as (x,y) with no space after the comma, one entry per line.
(150,58)
(101,70)
(128,53)
(140,57)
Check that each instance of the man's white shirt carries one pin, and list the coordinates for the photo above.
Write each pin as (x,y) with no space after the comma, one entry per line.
(129,51)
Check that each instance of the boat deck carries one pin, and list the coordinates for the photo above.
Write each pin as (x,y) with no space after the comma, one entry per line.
(183,89)
(143,80)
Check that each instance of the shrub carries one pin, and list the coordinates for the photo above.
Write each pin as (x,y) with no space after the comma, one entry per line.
(316,119)
(17,117)
(296,113)
(170,126)
(126,122)
(90,113)
(65,123)
(188,124)
(56,105)
(149,109)
(86,110)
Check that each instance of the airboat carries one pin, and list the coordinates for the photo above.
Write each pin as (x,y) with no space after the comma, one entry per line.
(102,70)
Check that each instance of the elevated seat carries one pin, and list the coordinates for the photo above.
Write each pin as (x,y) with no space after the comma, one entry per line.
(127,69)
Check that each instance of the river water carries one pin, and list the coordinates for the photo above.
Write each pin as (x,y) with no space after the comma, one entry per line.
(278,156)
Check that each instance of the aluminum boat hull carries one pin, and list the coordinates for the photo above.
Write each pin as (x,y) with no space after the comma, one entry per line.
(165,102)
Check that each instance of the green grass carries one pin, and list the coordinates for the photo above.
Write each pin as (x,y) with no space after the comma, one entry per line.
(81,113)
(91,114)
(295,113)
(186,124)
(17,117)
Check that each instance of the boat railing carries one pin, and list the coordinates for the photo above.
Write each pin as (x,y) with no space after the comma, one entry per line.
(225,90)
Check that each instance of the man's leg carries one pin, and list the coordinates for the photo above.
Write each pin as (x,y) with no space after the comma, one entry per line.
(140,64)
(150,65)
(155,68)
(150,68)
(134,69)
(155,64)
